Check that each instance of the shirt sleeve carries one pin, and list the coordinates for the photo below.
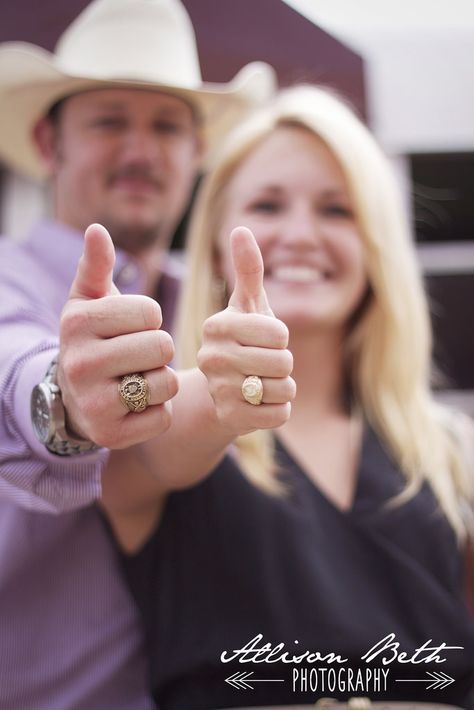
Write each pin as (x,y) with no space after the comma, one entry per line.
(30,475)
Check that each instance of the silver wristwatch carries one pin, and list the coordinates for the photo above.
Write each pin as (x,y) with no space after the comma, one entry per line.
(48,417)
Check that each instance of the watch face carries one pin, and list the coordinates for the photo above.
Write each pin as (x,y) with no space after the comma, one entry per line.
(40,414)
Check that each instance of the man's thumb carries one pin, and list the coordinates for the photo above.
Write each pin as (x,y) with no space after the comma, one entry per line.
(95,268)
(249,295)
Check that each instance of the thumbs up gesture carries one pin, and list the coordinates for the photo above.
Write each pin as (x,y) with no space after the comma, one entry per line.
(104,336)
(246,339)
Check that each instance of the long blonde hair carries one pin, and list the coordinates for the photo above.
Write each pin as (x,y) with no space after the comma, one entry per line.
(388,349)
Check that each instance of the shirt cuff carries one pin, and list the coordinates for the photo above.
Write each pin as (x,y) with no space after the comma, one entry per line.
(31,373)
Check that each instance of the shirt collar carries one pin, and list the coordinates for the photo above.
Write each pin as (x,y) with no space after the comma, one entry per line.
(61,246)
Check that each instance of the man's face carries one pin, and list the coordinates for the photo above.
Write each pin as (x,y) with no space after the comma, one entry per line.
(125,158)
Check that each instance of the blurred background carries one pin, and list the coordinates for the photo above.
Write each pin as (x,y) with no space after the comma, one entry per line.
(408,68)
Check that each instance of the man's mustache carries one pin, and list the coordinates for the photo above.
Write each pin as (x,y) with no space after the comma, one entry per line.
(137,171)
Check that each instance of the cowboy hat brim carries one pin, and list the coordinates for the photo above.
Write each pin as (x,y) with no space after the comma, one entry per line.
(31,83)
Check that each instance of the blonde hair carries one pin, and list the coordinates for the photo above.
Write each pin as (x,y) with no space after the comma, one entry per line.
(388,349)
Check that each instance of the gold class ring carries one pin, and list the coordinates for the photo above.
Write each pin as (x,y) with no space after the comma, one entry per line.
(252,389)
(134,392)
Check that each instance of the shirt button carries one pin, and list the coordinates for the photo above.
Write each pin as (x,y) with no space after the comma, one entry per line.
(127,275)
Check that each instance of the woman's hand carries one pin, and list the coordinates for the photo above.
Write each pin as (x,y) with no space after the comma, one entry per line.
(246,339)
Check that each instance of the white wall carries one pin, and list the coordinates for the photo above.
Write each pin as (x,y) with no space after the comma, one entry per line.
(419,58)
(421,89)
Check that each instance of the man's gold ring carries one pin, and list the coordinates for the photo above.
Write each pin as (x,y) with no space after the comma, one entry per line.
(252,389)
(134,392)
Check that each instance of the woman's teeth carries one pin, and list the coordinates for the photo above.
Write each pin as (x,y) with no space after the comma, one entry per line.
(301,274)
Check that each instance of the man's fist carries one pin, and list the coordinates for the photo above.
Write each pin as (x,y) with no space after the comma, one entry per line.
(103,336)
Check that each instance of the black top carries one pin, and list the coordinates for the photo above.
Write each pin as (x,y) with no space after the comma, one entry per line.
(229,562)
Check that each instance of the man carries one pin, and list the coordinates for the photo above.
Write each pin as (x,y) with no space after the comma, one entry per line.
(115,119)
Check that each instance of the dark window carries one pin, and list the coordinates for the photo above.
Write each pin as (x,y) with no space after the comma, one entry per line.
(443,211)
(452,309)
(443,196)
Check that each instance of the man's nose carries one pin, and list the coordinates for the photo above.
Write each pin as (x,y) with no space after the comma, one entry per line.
(142,145)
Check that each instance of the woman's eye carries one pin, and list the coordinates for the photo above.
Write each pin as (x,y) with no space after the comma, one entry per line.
(265,206)
(337,211)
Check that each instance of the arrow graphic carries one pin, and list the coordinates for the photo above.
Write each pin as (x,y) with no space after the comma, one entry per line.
(240,680)
(437,680)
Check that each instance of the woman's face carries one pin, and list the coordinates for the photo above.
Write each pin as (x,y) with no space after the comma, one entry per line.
(291,192)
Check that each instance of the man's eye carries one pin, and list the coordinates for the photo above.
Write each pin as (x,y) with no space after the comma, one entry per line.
(109,122)
(170,127)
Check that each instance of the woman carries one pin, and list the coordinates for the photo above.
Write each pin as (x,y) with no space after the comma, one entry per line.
(325,558)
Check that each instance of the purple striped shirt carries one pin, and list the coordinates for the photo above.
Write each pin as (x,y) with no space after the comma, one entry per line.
(70,635)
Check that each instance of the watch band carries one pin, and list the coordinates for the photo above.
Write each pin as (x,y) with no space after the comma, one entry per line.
(63,443)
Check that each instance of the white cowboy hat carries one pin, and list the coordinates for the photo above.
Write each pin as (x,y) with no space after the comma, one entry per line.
(148,44)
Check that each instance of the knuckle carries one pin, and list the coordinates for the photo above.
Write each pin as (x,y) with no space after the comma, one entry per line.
(286,412)
(108,440)
(277,415)
(93,414)
(116,437)
(212,360)
(73,320)
(293,388)
(286,362)
(82,363)
(172,383)
(222,392)
(151,313)
(282,334)
(165,346)
(290,388)
(162,419)
(167,385)
(283,414)
(201,358)
(224,411)
(74,366)
(215,326)
(210,328)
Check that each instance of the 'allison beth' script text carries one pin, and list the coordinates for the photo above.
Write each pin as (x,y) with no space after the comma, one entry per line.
(386,651)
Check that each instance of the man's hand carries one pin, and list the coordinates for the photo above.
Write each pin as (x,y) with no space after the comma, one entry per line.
(103,336)
(246,339)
